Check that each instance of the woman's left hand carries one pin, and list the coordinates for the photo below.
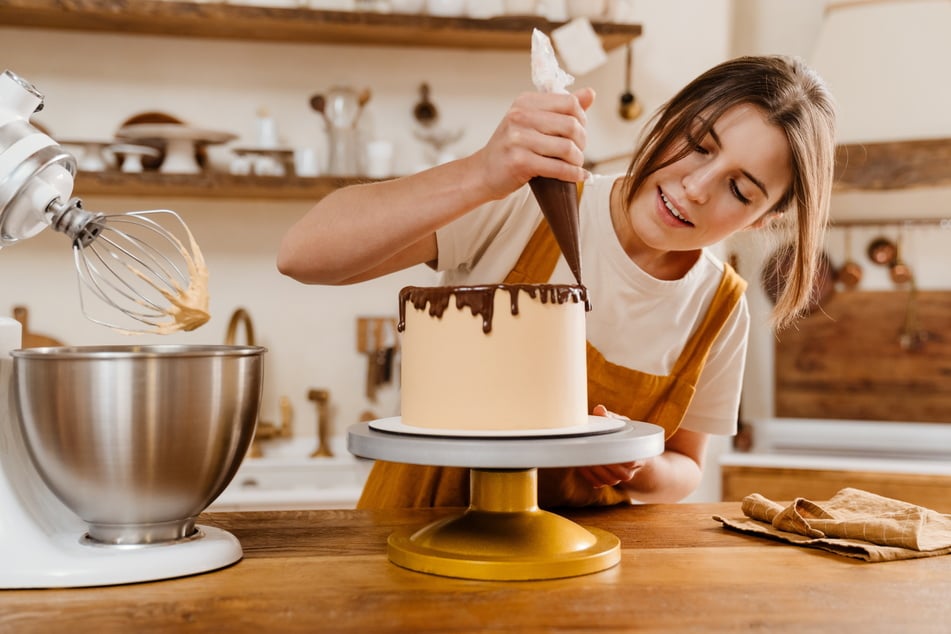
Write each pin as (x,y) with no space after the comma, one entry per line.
(608,475)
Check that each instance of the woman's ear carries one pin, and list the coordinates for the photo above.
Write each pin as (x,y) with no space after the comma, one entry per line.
(766,220)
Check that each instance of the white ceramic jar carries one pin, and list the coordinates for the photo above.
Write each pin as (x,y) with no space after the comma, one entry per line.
(591,9)
(407,6)
(446,8)
(520,7)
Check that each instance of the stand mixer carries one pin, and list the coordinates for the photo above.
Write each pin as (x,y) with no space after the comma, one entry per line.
(43,545)
(85,431)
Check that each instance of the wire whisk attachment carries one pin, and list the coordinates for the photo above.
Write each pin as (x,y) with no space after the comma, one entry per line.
(144,264)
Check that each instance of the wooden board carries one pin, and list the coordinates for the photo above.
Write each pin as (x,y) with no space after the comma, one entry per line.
(848,363)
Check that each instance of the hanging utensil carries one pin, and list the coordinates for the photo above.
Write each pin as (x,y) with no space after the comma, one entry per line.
(912,337)
(850,273)
(629,107)
(898,271)
(882,251)
(425,111)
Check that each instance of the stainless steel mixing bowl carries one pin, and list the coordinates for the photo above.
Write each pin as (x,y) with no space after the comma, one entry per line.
(138,440)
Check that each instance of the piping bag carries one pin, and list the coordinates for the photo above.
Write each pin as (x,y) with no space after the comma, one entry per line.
(558,199)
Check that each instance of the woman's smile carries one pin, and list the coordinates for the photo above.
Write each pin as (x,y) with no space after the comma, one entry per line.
(672,210)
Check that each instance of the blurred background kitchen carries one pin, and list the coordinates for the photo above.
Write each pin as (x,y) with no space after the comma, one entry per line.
(265,108)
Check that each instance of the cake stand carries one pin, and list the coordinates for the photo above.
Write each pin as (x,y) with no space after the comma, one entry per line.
(92,158)
(503,535)
(181,142)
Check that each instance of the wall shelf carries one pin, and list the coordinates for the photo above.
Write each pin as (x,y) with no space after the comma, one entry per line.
(893,165)
(245,22)
(208,185)
(217,20)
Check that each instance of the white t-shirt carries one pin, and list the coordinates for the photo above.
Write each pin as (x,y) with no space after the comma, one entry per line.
(636,321)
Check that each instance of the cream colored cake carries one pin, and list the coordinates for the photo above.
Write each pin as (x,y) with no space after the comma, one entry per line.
(500,357)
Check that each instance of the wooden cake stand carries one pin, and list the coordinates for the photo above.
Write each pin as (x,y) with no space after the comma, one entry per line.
(503,535)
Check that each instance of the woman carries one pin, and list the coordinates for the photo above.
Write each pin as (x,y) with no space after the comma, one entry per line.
(746,143)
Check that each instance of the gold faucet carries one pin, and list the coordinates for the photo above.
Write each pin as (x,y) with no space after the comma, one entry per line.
(265,430)
(242,317)
(321,397)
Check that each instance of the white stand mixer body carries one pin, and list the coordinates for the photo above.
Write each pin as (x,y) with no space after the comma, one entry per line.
(41,540)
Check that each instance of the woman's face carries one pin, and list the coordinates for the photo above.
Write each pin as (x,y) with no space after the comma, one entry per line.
(728,181)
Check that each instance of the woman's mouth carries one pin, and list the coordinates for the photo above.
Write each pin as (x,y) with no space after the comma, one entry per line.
(672,210)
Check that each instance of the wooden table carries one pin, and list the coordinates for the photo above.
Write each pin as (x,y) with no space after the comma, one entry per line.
(327,571)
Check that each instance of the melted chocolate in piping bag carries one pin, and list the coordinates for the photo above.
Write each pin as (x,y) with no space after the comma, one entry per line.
(558,199)
(481,299)
(559,202)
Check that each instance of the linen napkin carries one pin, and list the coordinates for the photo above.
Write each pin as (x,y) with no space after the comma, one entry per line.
(853,523)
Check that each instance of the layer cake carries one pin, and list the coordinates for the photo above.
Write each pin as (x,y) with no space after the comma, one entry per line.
(498,357)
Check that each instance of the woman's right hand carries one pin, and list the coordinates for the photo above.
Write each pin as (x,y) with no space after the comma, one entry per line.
(339,240)
(541,134)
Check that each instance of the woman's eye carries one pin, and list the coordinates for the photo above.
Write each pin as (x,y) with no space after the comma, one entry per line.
(699,149)
(739,195)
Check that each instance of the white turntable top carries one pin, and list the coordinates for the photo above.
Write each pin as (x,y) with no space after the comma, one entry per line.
(631,441)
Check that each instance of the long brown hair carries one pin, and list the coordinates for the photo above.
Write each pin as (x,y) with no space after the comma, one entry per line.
(792,97)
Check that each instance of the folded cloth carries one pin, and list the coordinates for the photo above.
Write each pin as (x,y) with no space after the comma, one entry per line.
(852,523)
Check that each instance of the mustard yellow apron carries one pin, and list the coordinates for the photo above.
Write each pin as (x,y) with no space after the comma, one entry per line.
(661,400)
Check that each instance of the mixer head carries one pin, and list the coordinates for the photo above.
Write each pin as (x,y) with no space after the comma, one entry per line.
(144,264)
(143,267)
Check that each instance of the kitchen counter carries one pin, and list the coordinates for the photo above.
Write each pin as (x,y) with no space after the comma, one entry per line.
(327,571)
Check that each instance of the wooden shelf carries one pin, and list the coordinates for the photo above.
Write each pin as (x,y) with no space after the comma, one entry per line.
(243,22)
(893,165)
(208,185)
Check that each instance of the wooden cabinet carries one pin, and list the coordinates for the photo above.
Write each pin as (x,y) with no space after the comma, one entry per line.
(217,20)
(785,483)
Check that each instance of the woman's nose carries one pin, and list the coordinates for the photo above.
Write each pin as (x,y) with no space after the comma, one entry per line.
(697,184)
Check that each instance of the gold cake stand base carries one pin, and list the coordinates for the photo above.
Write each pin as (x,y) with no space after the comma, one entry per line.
(504,536)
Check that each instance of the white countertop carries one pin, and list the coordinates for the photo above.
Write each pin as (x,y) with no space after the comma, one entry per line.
(851,445)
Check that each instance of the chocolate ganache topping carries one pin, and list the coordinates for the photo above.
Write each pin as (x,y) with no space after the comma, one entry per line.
(481,299)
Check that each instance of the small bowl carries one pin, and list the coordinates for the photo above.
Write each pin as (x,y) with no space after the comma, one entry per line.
(138,440)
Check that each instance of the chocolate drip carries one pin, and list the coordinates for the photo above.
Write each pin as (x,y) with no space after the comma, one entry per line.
(481,299)
(559,202)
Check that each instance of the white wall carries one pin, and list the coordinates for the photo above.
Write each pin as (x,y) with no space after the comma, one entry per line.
(94,81)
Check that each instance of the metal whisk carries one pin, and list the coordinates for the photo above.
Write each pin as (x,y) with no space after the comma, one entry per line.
(142,265)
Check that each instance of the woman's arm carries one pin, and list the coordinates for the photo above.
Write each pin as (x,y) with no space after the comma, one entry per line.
(669,477)
(673,475)
(365,231)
